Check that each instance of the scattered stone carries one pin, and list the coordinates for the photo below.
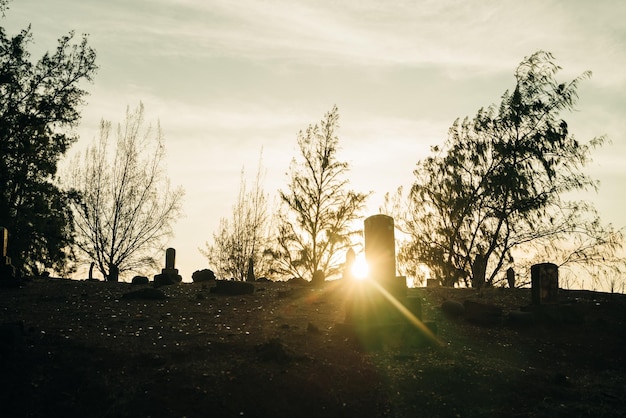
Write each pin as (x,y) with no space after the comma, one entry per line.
(231,287)
(148,293)
(452,308)
(204,275)
(139,280)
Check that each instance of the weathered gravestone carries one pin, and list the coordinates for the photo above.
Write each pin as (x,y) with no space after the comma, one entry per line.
(544,279)
(545,307)
(114,273)
(347,273)
(8,276)
(380,254)
(378,310)
(510,277)
(169,275)
(250,273)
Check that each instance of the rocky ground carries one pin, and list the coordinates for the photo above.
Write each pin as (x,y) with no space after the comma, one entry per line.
(79,349)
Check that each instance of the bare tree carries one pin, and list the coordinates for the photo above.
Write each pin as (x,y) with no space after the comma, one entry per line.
(126,206)
(243,238)
(318,210)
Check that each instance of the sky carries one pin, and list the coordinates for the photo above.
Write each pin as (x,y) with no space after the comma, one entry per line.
(227,79)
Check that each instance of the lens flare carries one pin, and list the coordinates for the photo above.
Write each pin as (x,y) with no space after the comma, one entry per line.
(360,269)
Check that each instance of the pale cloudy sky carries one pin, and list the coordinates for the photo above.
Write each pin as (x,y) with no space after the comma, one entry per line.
(227,78)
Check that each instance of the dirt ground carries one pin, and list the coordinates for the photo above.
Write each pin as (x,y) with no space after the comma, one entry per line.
(88,349)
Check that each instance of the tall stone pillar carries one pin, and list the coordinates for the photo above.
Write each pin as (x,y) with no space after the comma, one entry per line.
(380,253)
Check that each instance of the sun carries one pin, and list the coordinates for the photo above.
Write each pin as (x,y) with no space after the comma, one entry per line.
(360,269)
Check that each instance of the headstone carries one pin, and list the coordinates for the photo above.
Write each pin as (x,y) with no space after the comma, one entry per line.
(8,276)
(510,277)
(380,254)
(250,274)
(204,275)
(433,283)
(139,280)
(544,283)
(379,313)
(169,275)
(347,266)
(170,259)
(479,269)
(318,278)
(4,244)
(114,273)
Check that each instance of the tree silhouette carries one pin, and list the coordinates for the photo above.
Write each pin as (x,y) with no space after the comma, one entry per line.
(318,210)
(244,237)
(126,206)
(39,104)
(498,183)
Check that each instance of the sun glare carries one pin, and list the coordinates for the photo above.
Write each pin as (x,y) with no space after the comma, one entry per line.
(360,268)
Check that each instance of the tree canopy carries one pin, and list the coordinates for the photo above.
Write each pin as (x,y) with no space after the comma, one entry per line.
(39,104)
(318,208)
(499,184)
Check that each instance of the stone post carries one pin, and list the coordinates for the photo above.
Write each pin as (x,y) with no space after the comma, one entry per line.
(170,258)
(4,238)
(169,275)
(347,266)
(380,253)
(250,274)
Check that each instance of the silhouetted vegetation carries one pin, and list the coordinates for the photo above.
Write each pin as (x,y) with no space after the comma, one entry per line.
(126,207)
(498,186)
(318,209)
(39,103)
(243,239)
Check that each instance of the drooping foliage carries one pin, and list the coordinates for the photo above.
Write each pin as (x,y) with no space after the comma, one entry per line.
(498,184)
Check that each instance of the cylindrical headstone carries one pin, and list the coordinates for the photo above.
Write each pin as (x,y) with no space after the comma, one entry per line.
(544,279)
(380,247)
(170,258)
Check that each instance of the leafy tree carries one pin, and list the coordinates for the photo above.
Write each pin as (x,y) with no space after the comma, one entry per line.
(39,104)
(499,182)
(318,210)
(126,207)
(245,236)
